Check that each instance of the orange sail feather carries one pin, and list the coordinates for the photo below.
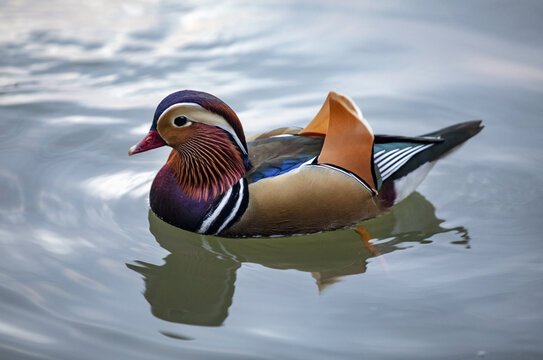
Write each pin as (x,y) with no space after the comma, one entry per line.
(348,138)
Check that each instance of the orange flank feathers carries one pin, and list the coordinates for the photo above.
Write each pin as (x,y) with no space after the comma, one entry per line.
(348,138)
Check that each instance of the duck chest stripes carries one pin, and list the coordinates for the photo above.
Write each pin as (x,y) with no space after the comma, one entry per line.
(226,210)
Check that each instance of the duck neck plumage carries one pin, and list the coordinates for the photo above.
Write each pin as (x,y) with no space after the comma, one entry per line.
(197,172)
(207,164)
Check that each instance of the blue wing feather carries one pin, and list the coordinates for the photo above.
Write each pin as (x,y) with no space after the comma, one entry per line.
(279,167)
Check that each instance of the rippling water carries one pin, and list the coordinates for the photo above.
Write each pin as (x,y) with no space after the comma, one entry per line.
(455,271)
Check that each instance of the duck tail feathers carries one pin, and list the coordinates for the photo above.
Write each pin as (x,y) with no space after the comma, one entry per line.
(455,135)
(442,142)
(403,170)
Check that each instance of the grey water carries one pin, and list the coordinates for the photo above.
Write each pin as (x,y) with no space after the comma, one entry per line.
(455,271)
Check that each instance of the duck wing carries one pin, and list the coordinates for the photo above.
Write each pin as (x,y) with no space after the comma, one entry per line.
(276,155)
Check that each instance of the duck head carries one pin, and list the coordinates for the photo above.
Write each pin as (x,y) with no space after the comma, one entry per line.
(209,149)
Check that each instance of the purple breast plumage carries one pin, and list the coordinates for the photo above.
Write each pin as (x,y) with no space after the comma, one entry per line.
(172,205)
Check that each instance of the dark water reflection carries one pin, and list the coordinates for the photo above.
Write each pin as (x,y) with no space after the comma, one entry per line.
(195,285)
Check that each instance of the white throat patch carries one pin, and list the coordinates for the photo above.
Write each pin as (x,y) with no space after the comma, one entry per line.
(196,113)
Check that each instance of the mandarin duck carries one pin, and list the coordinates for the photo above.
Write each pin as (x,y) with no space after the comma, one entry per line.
(332,174)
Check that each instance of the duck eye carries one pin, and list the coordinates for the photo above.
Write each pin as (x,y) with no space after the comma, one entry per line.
(181,121)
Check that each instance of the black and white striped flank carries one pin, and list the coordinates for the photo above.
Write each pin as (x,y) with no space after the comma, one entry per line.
(226,210)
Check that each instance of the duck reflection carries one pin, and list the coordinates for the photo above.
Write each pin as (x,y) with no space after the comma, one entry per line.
(195,285)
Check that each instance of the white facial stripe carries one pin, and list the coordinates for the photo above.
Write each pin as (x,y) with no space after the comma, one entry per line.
(174,106)
(234,135)
(195,112)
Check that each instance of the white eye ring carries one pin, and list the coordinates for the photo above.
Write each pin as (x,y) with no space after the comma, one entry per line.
(180,121)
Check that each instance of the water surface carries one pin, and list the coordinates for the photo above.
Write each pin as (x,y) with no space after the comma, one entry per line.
(454,272)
